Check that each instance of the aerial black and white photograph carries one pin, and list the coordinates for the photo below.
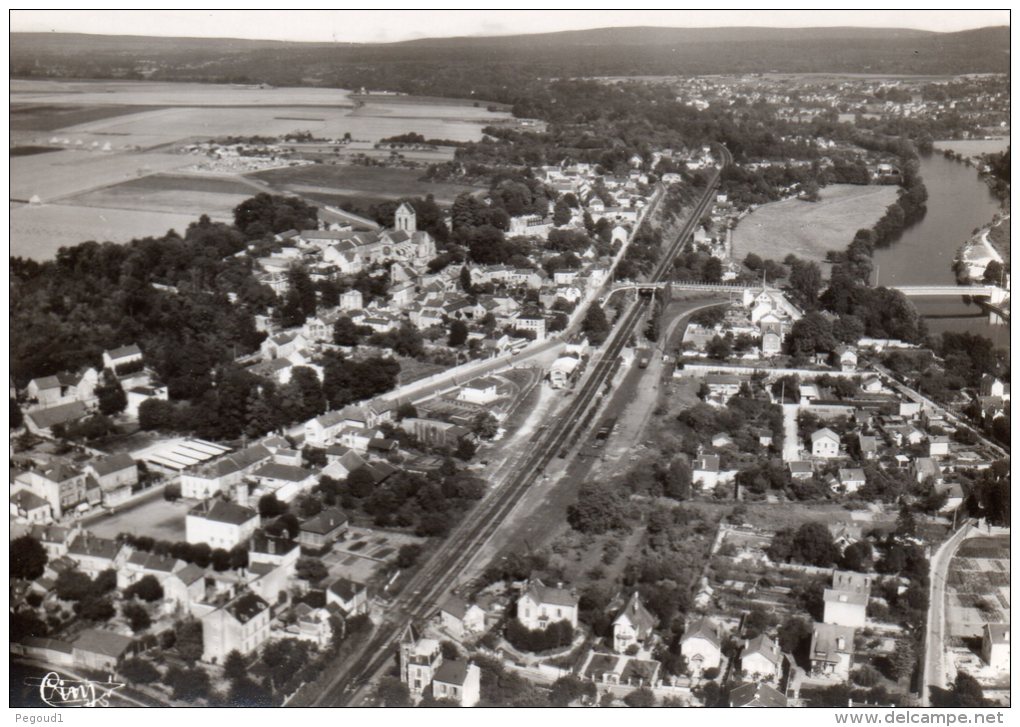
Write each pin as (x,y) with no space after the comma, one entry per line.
(510,358)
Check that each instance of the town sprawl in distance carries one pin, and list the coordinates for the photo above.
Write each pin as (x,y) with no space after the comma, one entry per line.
(622,367)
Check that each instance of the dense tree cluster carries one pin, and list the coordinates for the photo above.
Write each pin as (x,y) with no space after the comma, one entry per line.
(554,636)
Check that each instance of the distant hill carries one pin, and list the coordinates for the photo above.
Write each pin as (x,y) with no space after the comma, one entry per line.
(602,51)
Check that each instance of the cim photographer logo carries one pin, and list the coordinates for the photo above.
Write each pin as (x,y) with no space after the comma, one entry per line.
(57,691)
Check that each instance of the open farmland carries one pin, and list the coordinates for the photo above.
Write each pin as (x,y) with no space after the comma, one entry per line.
(38,231)
(194,195)
(111,135)
(69,172)
(325,180)
(810,229)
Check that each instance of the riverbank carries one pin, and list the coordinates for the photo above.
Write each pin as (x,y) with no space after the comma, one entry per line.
(811,229)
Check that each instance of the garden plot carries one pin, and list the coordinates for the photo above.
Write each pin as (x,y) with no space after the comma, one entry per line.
(978,587)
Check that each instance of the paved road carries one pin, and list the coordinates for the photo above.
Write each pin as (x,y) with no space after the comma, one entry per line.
(791,442)
(933,667)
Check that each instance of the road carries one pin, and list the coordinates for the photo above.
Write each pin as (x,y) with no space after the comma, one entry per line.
(438,575)
(791,442)
(933,666)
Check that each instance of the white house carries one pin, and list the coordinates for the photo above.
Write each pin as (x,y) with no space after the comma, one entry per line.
(761,658)
(459,682)
(702,646)
(633,625)
(221,524)
(241,625)
(825,443)
(995,646)
(125,357)
(541,605)
(482,390)
(852,479)
(460,618)
(832,651)
(938,446)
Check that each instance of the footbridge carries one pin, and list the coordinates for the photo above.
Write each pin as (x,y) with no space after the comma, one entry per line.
(684,285)
(996,294)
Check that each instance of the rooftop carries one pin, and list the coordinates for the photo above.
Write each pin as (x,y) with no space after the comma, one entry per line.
(224,512)
(102,642)
(452,672)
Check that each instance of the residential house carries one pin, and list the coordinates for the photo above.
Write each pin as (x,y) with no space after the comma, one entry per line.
(272,550)
(851,480)
(139,564)
(116,475)
(223,474)
(872,385)
(801,470)
(868,446)
(138,395)
(94,554)
(284,481)
(420,658)
(61,485)
(832,650)
(702,646)
(30,508)
(459,682)
(100,650)
(434,432)
(479,391)
(221,524)
(707,473)
(42,421)
(825,443)
(938,446)
(64,388)
(350,596)
(761,659)
(50,651)
(240,625)
(541,605)
(633,625)
(55,539)
(754,694)
(185,586)
(846,603)
(721,387)
(995,645)
(926,468)
(123,360)
(320,532)
(460,618)
(992,386)
(845,358)
(323,430)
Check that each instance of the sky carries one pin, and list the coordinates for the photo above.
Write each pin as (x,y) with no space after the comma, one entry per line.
(375,26)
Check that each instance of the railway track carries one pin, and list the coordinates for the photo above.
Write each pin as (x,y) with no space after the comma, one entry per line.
(440,573)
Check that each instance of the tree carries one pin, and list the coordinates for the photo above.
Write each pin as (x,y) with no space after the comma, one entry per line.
(676,479)
(805,283)
(465,449)
(245,692)
(571,688)
(311,569)
(643,697)
(188,684)
(408,555)
(73,586)
(465,280)
(360,482)
(234,665)
(96,609)
(599,508)
(812,544)
(811,334)
(458,333)
(16,416)
(220,559)
(139,671)
(484,425)
(112,399)
(561,213)
(595,325)
(137,617)
(346,332)
(857,557)
(28,558)
(270,506)
(393,693)
(719,348)
(147,588)
(993,273)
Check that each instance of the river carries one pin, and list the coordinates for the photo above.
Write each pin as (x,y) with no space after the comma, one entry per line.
(958,203)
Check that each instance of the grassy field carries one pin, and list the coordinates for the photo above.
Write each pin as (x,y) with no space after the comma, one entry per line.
(809,229)
(358,182)
(48,117)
